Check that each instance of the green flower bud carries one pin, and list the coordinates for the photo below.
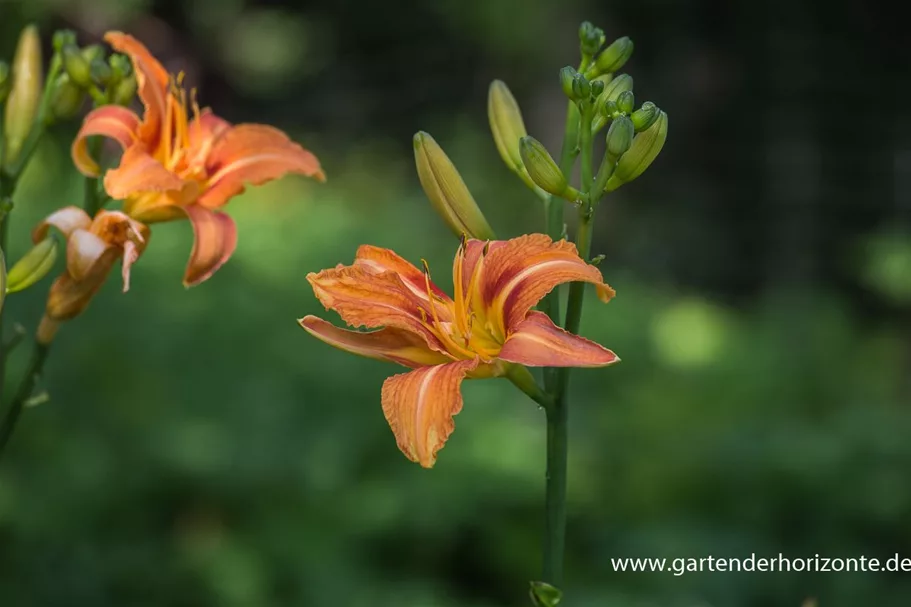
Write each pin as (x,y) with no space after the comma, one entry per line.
(121,67)
(615,56)
(626,101)
(609,109)
(613,90)
(566,80)
(447,191)
(25,95)
(92,52)
(541,167)
(645,116)
(33,266)
(645,148)
(6,83)
(619,137)
(63,39)
(125,90)
(591,38)
(582,89)
(597,87)
(78,69)
(2,280)
(66,98)
(544,595)
(506,123)
(101,72)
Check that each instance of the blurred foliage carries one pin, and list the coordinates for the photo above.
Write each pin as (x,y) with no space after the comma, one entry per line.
(200,449)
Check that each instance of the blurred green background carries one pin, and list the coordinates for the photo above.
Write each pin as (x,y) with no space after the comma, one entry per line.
(199,449)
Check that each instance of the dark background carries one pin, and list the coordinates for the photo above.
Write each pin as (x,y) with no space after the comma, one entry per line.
(200,449)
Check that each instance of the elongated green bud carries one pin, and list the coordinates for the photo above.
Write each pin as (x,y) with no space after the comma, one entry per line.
(625,102)
(6,83)
(101,72)
(542,168)
(616,87)
(619,137)
(506,123)
(645,116)
(597,87)
(25,95)
(2,280)
(447,191)
(125,90)
(33,266)
(66,98)
(614,57)
(567,74)
(77,68)
(645,148)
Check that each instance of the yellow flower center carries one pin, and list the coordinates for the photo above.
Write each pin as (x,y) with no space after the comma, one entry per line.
(174,142)
(470,334)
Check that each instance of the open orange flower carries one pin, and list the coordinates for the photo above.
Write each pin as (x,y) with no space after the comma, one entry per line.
(176,165)
(488,325)
(92,248)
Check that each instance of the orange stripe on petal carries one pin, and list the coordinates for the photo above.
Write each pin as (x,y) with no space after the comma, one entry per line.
(66,220)
(113,121)
(378,260)
(525,269)
(420,406)
(537,342)
(253,154)
(391,344)
(215,240)
(152,80)
(366,299)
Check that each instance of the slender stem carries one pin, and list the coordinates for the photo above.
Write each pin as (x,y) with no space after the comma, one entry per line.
(91,201)
(558,413)
(26,387)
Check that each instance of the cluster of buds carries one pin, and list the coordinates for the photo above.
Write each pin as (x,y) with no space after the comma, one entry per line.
(86,72)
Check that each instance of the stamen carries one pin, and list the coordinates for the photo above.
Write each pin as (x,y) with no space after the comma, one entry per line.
(441,331)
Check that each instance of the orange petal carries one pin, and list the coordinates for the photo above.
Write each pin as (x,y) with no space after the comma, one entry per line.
(152,80)
(68,297)
(419,406)
(66,220)
(254,154)
(366,299)
(378,260)
(114,121)
(139,173)
(522,271)
(392,344)
(215,240)
(538,342)
(203,131)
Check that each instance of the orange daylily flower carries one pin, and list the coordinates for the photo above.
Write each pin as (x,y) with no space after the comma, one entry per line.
(180,161)
(92,248)
(488,325)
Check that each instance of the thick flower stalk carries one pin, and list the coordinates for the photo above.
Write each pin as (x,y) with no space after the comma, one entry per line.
(487,327)
(180,161)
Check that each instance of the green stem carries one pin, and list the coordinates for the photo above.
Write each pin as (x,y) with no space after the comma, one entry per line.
(91,201)
(558,413)
(26,387)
